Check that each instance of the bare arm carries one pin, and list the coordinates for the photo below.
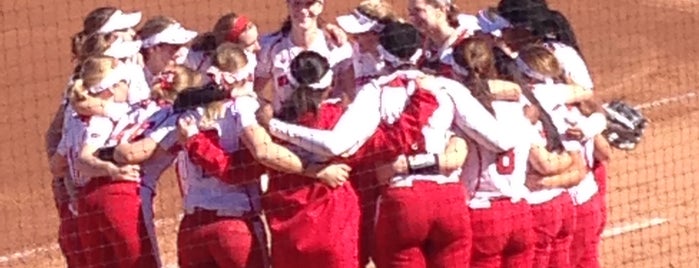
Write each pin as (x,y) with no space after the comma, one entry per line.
(548,163)
(454,156)
(264,89)
(137,152)
(603,152)
(270,154)
(569,178)
(505,90)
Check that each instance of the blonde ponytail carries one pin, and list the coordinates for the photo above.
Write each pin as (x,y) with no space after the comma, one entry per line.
(77,92)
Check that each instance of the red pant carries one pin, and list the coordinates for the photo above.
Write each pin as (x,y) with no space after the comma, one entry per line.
(322,233)
(111,225)
(426,225)
(68,234)
(208,240)
(502,235)
(368,191)
(554,223)
(584,252)
(600,171)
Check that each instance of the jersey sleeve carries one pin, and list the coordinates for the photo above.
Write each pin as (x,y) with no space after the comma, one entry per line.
(98,131)
(265,57)
(247,107)
(476,122)
(165,134)
(574,66)
(354,128)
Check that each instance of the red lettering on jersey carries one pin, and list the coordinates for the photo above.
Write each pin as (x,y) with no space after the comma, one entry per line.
(505,164)
(282,81)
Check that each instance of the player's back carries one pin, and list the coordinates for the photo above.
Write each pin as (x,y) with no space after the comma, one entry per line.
(493,174)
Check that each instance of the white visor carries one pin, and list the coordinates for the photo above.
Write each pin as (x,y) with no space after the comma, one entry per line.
(119,21)
(357,23)
(491,23)
(174,34)
(123,49)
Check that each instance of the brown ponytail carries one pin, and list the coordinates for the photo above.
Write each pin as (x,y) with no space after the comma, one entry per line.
(453,15)
(476,56)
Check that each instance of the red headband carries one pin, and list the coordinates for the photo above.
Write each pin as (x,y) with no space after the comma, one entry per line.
(238,28)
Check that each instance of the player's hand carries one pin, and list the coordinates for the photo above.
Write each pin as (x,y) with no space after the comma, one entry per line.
(384,172)
(336,34)
(264,114)
(186,128)
(125,173)
(334,175)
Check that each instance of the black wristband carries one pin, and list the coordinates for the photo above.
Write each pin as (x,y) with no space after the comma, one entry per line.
(423,164)
(106,154)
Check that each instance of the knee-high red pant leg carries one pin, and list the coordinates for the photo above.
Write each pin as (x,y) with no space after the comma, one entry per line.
(111,224)
(426,225)
(207,240)
(584,252)
(554,223)
(502,235)
(68,234)
(323,233)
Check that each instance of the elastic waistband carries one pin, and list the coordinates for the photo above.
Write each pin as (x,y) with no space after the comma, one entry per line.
(202,212)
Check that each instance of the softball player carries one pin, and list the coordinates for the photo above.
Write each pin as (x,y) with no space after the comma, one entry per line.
(401,102)
(364,25)
(163,40)
(62,184)
(553,208)
(221,226)
(300,32)
(501,219)
(233,28)
(110,219)
(438,21)
(234,79)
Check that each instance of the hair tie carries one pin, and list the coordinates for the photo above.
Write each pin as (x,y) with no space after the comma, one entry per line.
(395,61)
(324,82)
(166,79)
(238,28)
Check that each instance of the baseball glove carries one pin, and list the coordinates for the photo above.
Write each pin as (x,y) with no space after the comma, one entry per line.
(625,125)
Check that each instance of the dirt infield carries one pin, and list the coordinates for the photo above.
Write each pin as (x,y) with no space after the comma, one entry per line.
(643,51)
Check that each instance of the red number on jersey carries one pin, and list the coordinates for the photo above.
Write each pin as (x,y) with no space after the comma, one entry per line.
(506,162)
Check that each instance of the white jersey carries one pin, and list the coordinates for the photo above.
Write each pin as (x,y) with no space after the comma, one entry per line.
(274,61)
(553,98)
(572,64)
(366,67)
(492,174)
(206,192)
(373,104)
(74,127)
(140,122)
(587,188)
(139,86)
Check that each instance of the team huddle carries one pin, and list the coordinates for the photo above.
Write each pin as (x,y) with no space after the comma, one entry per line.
(441,140)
